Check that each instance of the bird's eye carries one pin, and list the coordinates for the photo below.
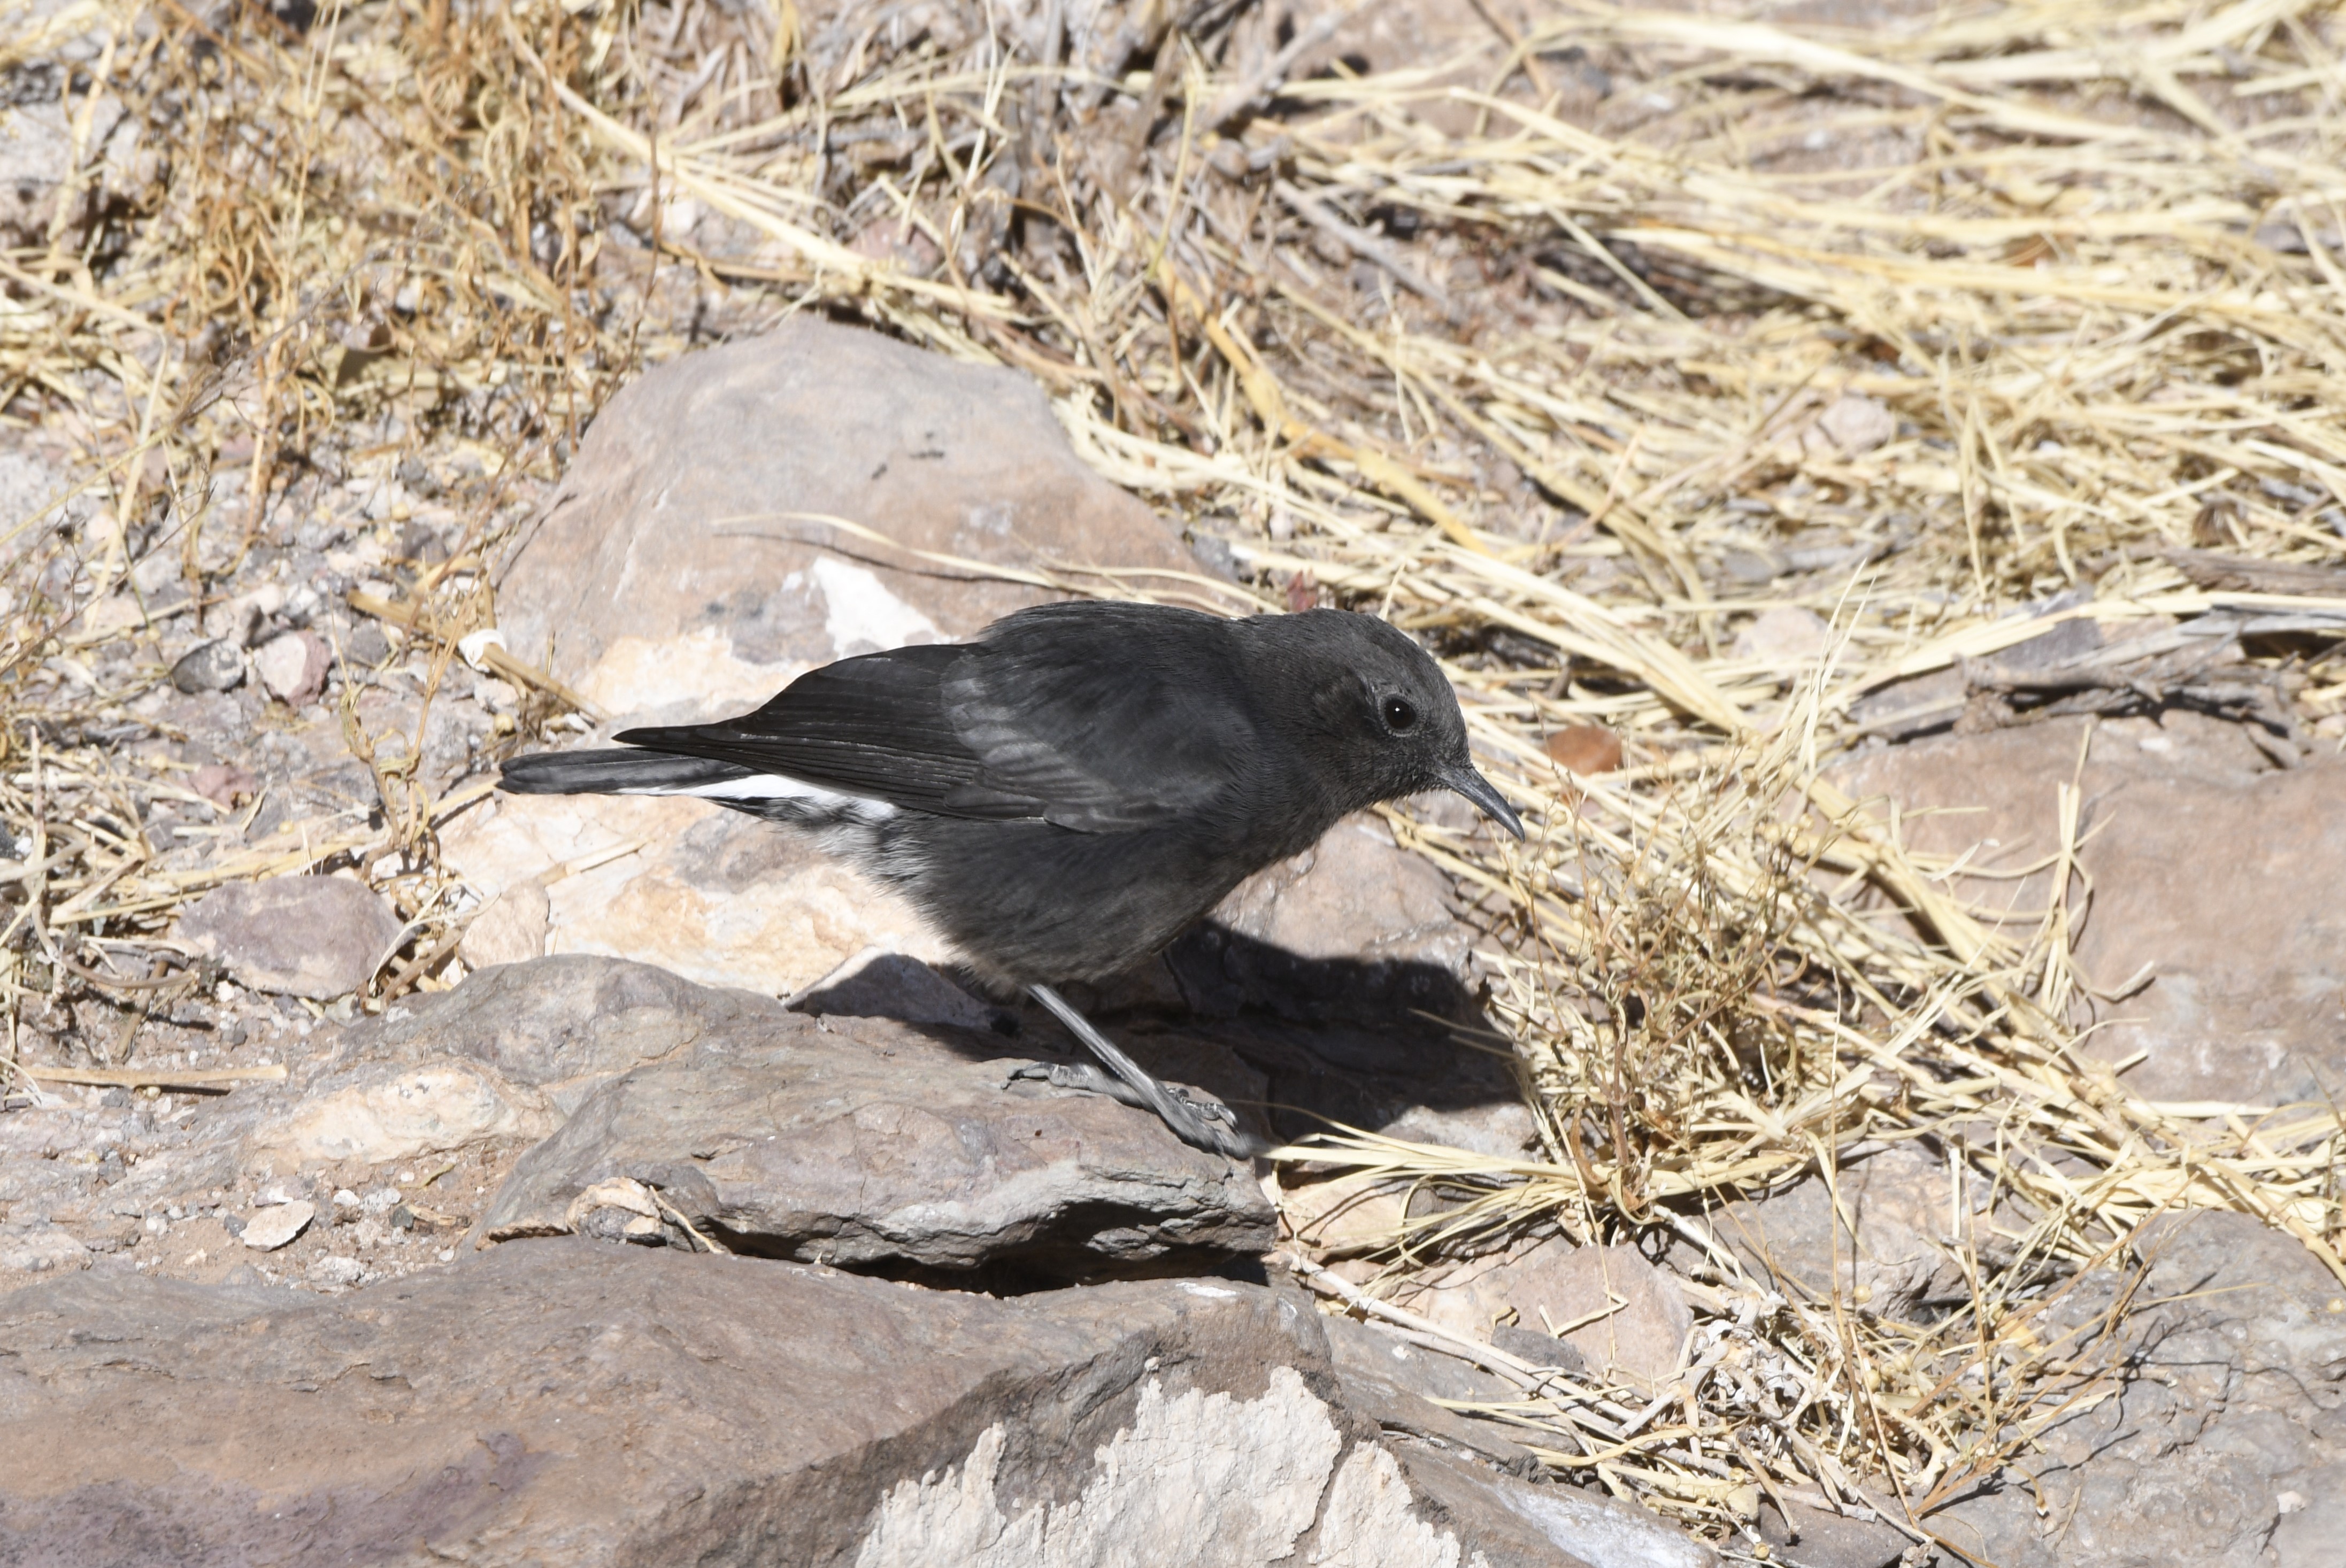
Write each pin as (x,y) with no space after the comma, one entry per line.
(1399,715)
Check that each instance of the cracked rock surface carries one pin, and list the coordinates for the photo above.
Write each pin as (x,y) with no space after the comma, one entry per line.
(561,1402)
(873,1143)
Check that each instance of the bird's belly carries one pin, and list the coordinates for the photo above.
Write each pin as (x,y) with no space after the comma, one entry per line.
(1028,902)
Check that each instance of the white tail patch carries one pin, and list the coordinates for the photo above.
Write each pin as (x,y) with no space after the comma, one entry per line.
(779,787)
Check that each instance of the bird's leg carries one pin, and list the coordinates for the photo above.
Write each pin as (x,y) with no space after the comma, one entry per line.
(1204,1126)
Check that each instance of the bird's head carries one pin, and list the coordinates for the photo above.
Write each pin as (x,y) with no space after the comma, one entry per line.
(1388,720)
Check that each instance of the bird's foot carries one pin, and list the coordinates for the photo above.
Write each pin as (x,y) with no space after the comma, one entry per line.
(1078,1076)
(1091,1080)
(1199,1122)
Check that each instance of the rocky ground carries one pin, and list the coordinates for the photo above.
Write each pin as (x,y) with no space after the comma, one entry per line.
(531,1169)
(666,1106)
(683,1210)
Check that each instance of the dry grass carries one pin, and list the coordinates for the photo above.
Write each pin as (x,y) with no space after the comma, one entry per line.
(1528,368)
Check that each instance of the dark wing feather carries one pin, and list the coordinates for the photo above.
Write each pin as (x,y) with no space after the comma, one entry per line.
(872,726)
(1097,716)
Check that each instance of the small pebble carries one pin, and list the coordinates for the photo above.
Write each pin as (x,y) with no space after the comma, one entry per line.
(1588,749)
(335,1270)
(210,666)
(275,1226)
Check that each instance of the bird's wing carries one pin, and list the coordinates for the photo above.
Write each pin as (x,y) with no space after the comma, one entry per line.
(874,727)
(1100,717)
(1069,719)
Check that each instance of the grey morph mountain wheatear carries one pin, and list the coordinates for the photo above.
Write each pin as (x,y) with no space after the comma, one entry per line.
(1063,796)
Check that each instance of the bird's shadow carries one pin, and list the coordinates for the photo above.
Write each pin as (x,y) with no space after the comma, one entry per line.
(1295,1043)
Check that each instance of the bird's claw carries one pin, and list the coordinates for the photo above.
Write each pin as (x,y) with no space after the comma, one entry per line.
(1214,1110)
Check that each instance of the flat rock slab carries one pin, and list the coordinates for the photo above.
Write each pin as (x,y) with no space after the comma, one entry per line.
(318,937)
(558,1025)
(870,1142)
(562,1402)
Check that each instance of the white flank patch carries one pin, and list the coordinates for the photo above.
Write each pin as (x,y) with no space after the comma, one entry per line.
(862,616)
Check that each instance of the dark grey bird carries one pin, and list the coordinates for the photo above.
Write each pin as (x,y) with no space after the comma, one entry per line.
(1064,796)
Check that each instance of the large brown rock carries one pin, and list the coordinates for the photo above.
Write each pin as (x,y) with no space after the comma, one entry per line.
(675,568)
(822,1134)
(914,1156)
(2216,873)
(876,1143)
(563,1402)
(828,1131)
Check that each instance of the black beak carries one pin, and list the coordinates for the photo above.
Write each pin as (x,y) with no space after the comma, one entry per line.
(1479,789)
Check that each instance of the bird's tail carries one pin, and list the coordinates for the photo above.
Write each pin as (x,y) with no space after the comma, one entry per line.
(614,772)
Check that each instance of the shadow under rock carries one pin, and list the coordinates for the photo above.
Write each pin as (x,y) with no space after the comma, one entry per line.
(1025,1272)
